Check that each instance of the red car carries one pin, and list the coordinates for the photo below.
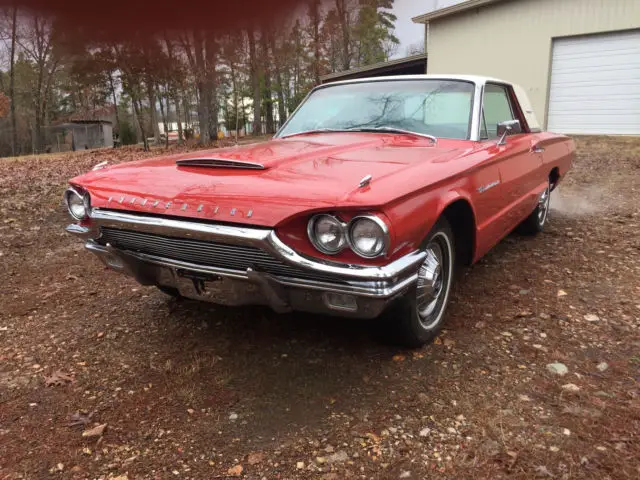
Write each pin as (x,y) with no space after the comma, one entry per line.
(363,204)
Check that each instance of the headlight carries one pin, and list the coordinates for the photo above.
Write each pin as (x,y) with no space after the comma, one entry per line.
(78,203)
(327,234)
(368,236)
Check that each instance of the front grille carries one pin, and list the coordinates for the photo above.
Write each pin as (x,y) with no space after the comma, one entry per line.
(214,254)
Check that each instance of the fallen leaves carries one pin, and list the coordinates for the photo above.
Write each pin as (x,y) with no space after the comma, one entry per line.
(58,378)
(96,431)
(235,471)
(255,458)
(79,418)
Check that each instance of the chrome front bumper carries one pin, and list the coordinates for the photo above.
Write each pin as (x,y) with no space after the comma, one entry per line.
(358,291)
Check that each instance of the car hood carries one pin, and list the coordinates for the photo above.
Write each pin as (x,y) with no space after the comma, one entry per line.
(274,180)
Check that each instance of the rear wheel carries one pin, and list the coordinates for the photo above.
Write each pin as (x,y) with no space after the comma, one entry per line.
(416,318)
(535,222)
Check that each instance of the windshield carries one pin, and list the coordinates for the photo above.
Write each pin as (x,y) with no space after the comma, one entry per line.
(441,108)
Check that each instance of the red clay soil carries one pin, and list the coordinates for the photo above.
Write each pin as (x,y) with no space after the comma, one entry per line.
(192,390)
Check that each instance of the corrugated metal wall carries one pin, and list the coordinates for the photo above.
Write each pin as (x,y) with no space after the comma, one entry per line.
(512,40)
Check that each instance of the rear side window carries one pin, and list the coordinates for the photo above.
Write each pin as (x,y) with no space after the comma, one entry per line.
(496,108)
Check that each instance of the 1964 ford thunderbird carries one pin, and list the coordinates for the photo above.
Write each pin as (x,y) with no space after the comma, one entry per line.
(363,204)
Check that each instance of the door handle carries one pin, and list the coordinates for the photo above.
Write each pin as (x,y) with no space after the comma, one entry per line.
(536,149)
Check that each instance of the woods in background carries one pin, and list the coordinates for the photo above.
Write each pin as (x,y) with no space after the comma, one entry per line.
(180,85)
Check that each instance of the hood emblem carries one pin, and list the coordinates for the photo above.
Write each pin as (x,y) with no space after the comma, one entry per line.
(233,211)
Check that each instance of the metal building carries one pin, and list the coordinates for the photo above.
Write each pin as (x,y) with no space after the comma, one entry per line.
(578,60)
(414,64)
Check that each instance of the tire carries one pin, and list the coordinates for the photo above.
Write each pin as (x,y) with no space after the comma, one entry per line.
(535,222)
(416,318)
(171,291)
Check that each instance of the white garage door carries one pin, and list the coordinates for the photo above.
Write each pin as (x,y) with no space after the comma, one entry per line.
(595,84)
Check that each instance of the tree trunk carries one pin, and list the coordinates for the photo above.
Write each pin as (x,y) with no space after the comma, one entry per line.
(315,19)
(137,107)
(153,113)
(235,98)
(136,121)
(164,119)
(268,98)
(203,91)
(282,111)
(14,132)
(176,100)
(343,14)
(115,102)
(255,83)
(212,95)
(38,114)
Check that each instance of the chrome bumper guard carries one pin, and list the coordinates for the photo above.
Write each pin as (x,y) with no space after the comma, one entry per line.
(359,291)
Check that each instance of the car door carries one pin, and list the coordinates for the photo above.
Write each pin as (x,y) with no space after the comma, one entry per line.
(518,163)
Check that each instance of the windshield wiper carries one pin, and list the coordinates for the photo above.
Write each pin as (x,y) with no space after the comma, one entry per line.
(387,129)
(316,130)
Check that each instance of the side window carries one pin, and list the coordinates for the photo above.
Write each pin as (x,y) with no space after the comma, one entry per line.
(496,109)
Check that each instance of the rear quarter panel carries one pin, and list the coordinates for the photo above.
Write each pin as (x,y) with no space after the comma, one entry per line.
(559,152)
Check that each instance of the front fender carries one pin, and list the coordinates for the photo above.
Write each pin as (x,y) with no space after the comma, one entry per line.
(414,216)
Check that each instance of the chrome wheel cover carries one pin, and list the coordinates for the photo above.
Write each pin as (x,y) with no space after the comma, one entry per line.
(434,280)
(543,206)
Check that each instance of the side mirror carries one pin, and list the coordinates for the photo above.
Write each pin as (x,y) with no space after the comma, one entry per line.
(509,127)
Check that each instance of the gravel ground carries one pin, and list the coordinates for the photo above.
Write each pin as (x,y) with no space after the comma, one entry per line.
(536,374)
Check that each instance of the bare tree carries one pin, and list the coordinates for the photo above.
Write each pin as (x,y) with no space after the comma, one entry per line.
(12,81)
(314,18)
(194,48)
(255,83)
(342,7)
(36,39)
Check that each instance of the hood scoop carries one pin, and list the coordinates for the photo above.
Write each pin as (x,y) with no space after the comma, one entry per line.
(219,163)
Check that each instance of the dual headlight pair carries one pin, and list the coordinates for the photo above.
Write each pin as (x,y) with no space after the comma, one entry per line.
(366,235)
(78,203)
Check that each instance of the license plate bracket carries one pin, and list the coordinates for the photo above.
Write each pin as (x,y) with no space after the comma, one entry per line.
(198,276)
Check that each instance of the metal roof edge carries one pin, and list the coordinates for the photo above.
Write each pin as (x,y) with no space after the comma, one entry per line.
(388,63)
(452,10)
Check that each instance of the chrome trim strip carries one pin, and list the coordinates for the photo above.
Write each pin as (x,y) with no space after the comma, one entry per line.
(251,236)
(80,231)
(375,289)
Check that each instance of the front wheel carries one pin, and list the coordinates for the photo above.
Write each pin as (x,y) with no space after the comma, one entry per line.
(416,318)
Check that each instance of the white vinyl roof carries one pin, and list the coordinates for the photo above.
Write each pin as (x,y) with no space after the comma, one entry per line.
(477,79)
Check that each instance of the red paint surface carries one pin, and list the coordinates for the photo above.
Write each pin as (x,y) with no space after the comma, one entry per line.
(413,182)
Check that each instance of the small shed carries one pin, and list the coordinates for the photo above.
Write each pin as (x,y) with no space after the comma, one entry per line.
(79,135)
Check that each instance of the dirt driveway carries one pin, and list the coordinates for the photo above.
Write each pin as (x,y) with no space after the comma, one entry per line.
(190,390)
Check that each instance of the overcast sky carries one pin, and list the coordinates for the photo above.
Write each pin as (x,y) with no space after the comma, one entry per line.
(408,32)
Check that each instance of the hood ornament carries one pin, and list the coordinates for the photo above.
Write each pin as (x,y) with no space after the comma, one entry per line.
(365,181)
(100,165)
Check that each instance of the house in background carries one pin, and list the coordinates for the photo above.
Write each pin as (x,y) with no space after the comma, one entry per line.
(578,60)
